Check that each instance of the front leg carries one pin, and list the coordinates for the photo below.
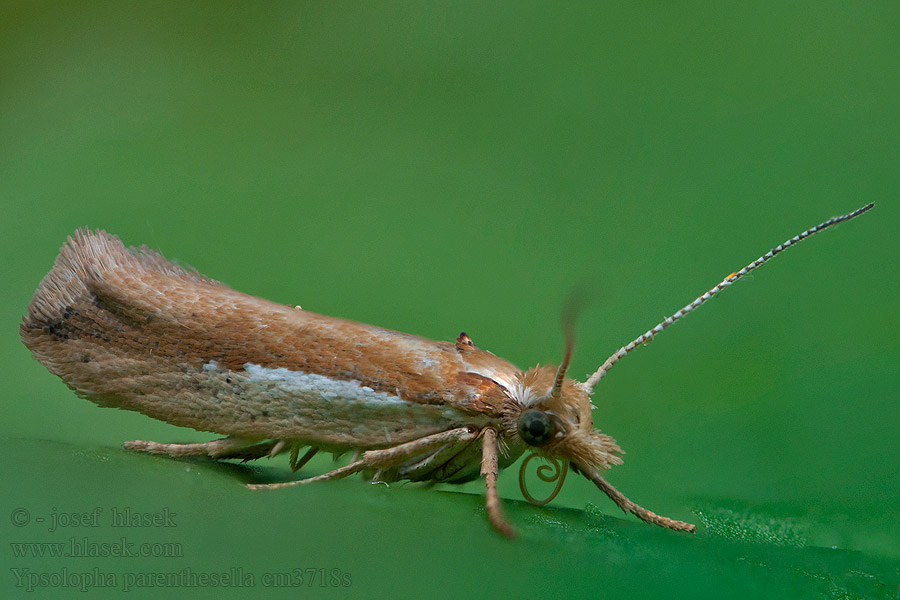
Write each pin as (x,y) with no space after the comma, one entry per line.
(628,506)
(489,470)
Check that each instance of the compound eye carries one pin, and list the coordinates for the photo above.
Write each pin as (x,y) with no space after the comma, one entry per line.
(535,427)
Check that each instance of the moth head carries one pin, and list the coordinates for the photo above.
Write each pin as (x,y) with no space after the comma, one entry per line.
(559,425)
(553,416)
(553,419)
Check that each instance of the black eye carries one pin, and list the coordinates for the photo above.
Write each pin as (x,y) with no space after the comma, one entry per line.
(535,427)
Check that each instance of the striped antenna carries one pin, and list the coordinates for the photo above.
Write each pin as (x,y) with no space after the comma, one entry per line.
(648,337)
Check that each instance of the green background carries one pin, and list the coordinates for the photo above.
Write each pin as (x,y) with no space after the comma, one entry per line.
(434,168)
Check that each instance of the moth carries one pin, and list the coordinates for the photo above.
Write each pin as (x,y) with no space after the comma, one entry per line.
(125,328)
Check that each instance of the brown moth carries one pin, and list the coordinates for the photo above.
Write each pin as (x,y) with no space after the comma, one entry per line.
(125,328)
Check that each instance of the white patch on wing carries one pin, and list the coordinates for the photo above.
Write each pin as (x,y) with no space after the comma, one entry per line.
(504,379)
(426,356)
(305,383)
(334,412)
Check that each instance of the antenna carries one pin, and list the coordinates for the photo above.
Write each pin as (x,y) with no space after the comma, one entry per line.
(573,306)
(648,337)
(564,366)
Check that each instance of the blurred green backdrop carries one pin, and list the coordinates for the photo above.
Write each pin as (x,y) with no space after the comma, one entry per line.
(435,168)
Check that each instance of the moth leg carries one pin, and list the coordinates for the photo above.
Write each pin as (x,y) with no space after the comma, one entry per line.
(277,448)
(380,459)
(489,470)
(214,449)
(297,464)
(267,449)
(628,506)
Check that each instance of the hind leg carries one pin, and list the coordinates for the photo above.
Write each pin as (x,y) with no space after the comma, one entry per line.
(214,449)
(379,459)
